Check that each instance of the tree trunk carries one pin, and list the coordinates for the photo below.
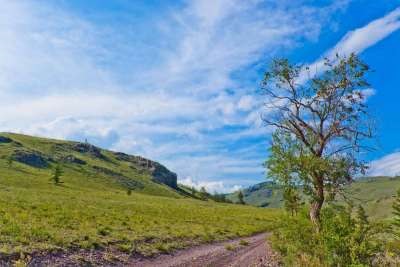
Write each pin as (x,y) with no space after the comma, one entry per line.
(315,209)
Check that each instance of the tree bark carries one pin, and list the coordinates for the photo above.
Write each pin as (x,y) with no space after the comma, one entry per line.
(315,209)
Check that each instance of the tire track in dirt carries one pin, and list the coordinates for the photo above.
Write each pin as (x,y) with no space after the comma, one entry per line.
(256,253)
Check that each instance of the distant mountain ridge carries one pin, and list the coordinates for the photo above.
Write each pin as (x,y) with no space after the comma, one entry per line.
(375,193)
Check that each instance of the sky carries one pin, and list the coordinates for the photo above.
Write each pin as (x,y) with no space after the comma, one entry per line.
(178,81)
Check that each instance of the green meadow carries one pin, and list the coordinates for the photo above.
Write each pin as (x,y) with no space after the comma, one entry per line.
(121,208)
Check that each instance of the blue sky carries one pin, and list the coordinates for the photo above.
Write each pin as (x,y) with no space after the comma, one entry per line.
(177,81)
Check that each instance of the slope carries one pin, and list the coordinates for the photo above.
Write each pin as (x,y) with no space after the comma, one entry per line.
(86,165)
(92,209)
(376,194)
(266,194)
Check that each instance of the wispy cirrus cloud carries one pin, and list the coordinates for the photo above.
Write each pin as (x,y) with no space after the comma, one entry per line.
(194,110)
(360,39)
(388,165)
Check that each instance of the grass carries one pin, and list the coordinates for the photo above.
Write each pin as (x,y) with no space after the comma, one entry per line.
(93,211)
(375,194)
(243,242)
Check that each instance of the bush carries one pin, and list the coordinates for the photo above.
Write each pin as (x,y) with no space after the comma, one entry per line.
(344,239)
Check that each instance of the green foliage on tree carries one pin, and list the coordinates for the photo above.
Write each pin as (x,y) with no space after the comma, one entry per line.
(241,198)
(57,173)
(320,126)
(292,200)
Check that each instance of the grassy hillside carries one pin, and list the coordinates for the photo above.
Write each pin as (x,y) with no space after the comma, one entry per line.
(266,194)
(374,193)
(94,208)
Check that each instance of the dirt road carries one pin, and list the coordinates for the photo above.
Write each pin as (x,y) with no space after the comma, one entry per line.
(252,251)
(244,252)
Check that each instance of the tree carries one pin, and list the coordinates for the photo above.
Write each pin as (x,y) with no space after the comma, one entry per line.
(203,193)
(57,173)
(292,199)
(321,125)
(396,213)
(241,198)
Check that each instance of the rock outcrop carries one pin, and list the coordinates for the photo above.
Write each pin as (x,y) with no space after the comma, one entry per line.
(31,158)
(73,159)
(4,139)
(89,149)
(159,172)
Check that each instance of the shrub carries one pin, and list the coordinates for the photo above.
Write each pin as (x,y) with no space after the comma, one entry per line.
(396,213)
(391,254)
(344,239)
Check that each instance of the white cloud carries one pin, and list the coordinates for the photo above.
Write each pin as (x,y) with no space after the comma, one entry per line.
(188,110)
(358,40)
(46,50)
(362,38)
(246,103)
(389,165)
(367,93)
(210,186)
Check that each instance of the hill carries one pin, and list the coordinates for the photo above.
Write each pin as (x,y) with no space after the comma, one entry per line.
(375,193)
(109,168)
(265,194)
(111,202)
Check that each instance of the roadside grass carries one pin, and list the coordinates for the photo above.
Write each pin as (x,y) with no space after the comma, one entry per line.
(243,242)
(230,247)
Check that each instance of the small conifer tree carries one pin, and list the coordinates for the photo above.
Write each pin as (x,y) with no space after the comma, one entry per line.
(10,161)
(57,174)
(241,198)
(203,193)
